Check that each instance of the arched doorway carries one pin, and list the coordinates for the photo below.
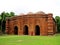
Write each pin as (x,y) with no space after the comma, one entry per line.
(25,30)
(3,24)
(37,30)
(16,30)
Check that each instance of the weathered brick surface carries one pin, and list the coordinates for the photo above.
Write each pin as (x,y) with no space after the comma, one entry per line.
(47,25)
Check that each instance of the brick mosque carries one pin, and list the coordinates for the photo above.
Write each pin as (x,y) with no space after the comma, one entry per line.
(31,24)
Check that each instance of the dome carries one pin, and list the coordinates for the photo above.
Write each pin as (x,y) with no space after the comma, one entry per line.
(21,13)
(40,12)
(29,13)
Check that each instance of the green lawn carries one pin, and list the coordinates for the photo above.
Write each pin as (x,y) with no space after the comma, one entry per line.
(30,40)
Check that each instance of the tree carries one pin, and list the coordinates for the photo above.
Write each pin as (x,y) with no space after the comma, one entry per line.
(12,14)
(57,19)
(0,22)
(7,14)
(3,19)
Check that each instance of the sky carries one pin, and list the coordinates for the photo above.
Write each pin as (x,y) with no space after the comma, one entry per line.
(25,6)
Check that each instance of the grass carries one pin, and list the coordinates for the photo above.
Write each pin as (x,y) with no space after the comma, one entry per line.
(30,40)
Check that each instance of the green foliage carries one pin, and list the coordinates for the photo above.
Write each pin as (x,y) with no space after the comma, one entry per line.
(7,14)
(0,17)
(12,13)
(57,19)
(3,16)
(0,22)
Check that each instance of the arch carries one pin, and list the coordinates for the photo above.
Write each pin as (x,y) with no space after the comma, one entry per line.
(3,26)
(16,30)
(37,30)
(25,30)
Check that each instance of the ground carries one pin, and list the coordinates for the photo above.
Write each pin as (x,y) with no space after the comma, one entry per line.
(29,40)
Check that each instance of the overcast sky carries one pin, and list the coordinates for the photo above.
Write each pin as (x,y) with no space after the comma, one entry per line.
(25,6)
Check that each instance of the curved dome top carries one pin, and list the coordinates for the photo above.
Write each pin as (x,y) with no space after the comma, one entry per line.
(29,13)
(21,13)
(40,12)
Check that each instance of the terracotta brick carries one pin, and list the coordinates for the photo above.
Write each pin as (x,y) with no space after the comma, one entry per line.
(31,24)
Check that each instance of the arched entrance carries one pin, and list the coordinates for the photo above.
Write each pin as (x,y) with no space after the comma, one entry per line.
(3,26)
(25,30)
(16,30)
(37,30)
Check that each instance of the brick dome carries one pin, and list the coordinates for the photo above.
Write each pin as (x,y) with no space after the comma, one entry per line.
(40,12)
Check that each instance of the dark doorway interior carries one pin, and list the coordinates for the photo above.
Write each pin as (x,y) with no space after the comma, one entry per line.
(25,30)
(37,30)
(16,30)
(3,26)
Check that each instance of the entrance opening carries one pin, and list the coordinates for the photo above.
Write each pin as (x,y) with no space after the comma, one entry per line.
(16,30)
(3,26)
(37,30)
(25,30)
